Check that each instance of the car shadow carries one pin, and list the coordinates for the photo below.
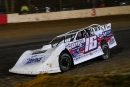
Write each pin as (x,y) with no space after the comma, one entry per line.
(116,50)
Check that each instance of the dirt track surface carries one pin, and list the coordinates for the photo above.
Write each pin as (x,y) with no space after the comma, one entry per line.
(16,38)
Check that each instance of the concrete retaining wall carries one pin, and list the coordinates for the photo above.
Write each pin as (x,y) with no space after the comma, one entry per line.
(16,18)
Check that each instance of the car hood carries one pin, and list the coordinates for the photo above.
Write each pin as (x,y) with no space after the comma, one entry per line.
(35,61)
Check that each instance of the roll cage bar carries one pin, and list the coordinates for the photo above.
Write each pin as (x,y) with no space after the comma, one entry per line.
(91,28)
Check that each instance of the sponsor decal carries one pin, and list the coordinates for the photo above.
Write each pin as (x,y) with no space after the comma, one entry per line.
(103,27)
(34,59)
(111,41)
(80,56)
(107,33)
(100,35)
(108,27)
(84,46)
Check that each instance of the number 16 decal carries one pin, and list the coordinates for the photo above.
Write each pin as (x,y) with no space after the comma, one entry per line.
(91,43)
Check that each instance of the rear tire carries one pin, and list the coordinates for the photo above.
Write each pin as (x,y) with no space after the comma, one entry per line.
(65,62)
(106,50)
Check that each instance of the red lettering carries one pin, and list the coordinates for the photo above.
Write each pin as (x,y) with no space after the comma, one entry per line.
(93,12)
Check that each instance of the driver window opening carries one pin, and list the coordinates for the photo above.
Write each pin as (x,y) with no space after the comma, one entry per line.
(70,38)
(81,34)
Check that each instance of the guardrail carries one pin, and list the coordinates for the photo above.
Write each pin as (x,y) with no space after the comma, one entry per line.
(95,12)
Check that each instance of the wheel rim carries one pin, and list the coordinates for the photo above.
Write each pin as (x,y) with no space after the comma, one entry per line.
(106,52)
(65,63)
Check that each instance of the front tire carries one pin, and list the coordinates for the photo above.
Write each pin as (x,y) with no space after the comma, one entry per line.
(106,50)
(65,62)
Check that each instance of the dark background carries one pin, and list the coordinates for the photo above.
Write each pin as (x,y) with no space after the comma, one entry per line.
(57,5)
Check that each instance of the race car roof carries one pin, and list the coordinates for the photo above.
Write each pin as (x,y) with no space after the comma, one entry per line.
(74,31)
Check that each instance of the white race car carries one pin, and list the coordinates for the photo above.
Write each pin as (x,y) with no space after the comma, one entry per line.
(67,49)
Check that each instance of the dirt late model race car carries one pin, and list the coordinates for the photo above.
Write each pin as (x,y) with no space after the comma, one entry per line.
(67,49)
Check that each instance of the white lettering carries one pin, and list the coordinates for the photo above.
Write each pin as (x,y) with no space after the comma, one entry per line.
(87,45)
(93,42)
